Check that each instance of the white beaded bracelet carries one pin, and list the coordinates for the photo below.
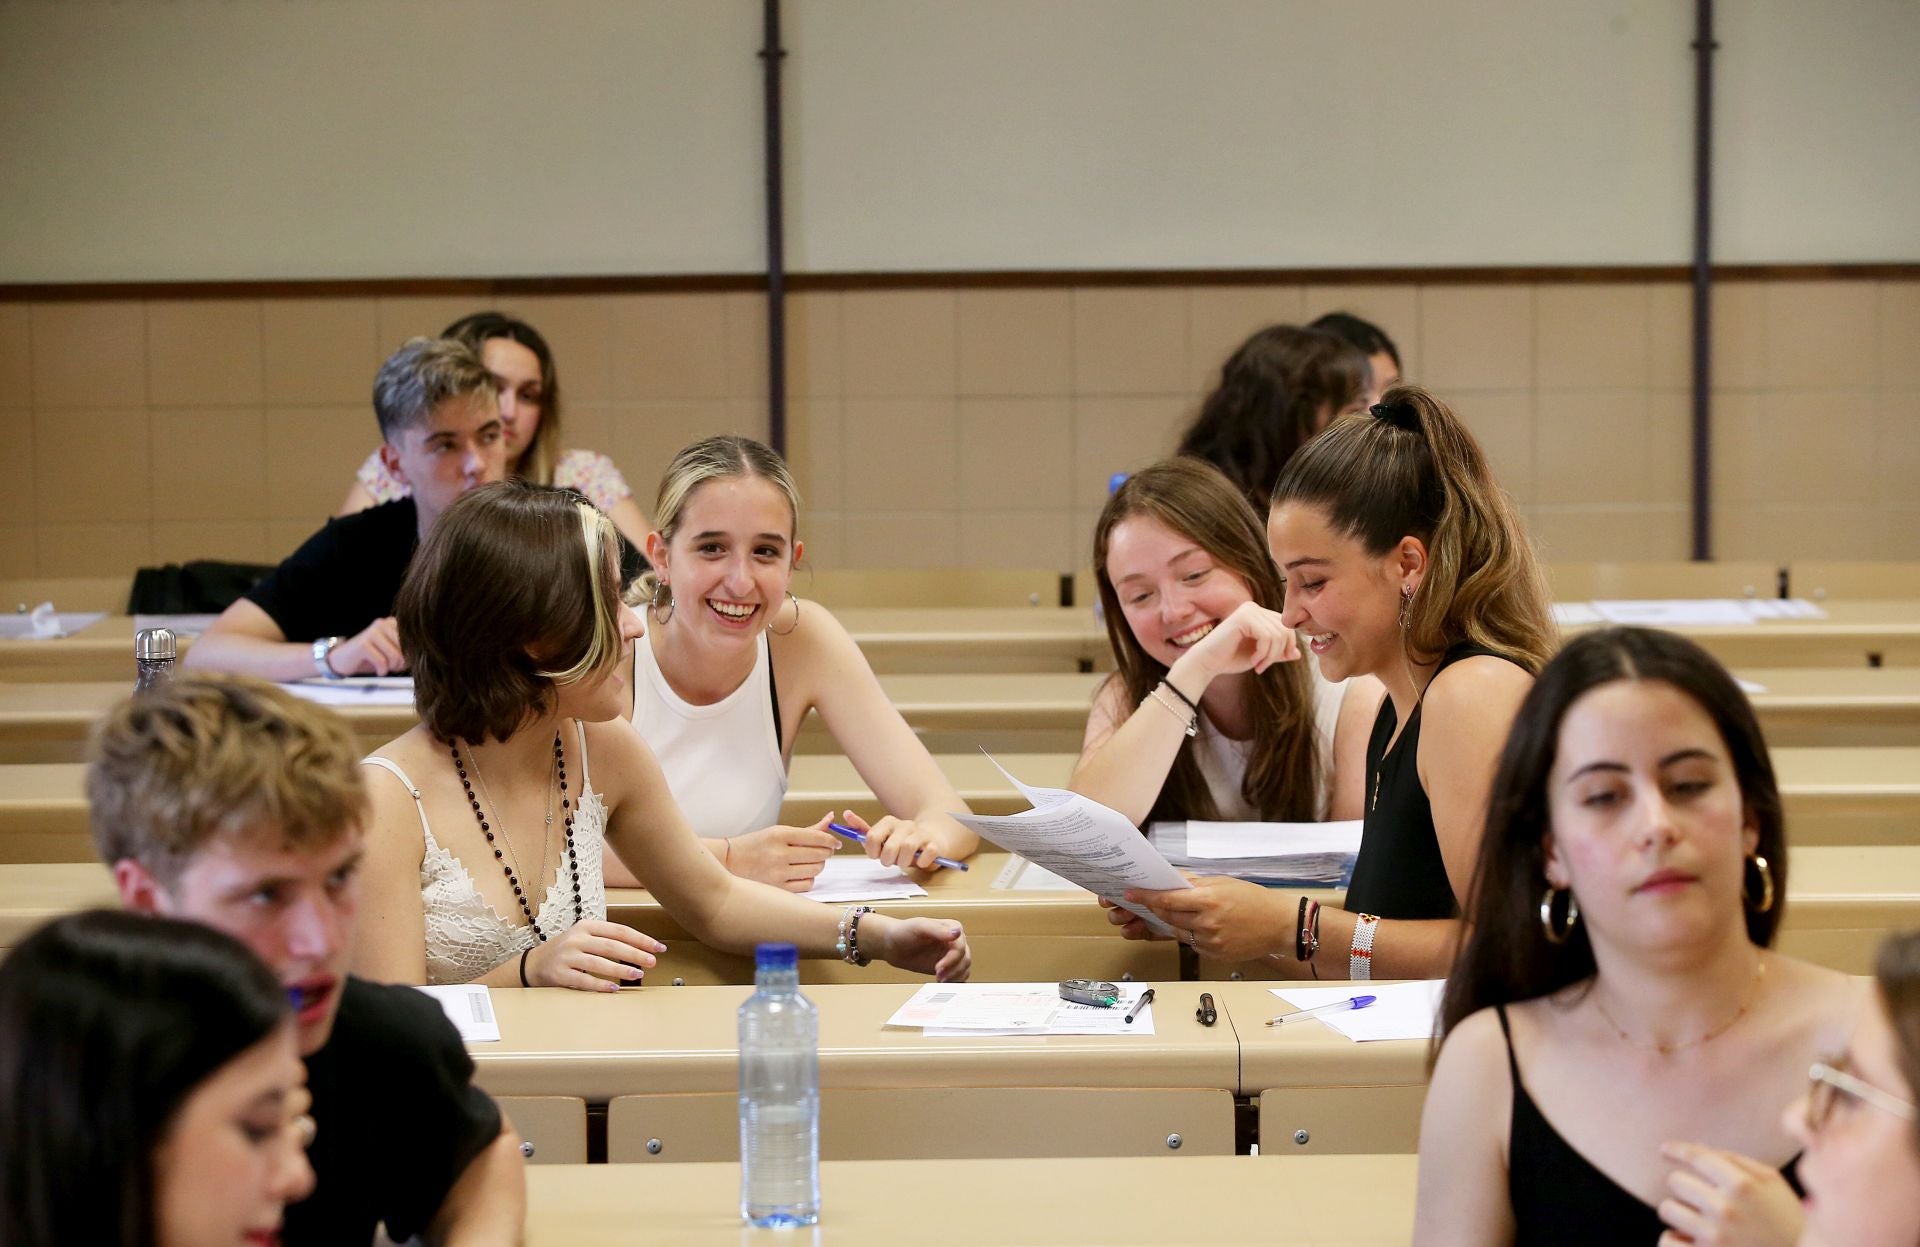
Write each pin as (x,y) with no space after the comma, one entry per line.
(1360,956)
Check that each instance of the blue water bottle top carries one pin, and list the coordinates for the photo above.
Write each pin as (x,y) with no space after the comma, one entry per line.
(1115,481)
(776,957)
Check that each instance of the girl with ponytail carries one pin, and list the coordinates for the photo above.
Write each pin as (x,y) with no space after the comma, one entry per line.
(1403,560)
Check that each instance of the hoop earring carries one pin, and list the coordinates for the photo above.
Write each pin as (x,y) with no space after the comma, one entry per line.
(796,617)
(1766,885)
(1561,934)
(1406,607)
(653,603)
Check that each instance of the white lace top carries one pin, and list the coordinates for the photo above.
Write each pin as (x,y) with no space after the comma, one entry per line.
(466,936)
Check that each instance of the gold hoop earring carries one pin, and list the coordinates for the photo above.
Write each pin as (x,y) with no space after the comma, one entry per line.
(660,592)
(1766,885)
(1406,607)
(1562,934)
(796,617)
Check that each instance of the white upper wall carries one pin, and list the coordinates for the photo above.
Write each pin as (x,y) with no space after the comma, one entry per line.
(259,139)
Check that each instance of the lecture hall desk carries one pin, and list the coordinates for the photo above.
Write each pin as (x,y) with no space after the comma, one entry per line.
(894,639)
(1187,1201)
(1045,712)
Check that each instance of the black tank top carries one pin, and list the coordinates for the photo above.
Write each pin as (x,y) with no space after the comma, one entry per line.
(1399,872)
(1559,1198)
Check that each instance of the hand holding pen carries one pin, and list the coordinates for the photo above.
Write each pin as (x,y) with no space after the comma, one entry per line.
(893,841)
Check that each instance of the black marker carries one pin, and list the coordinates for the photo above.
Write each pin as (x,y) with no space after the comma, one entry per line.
(1206,1015)
(1146,998)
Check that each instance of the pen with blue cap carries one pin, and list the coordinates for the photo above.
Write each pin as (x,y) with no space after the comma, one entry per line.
(1338,1006)
(860,837)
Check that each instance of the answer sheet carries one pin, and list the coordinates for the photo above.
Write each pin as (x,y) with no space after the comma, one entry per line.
(950,1010)
(1224,840)
(372,690)
(857,877)
(469,1006)
(1083,841)
(1399,1011)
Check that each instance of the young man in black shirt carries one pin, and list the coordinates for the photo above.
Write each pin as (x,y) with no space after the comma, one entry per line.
(229,802)
(328,609)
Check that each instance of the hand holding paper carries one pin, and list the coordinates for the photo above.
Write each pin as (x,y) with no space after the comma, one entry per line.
(1230,919)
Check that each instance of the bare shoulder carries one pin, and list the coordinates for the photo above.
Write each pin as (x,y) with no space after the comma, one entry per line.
(811,650)
(413,753)
(1827,1000)
(1472,684)
(1474,1055)
(618,758)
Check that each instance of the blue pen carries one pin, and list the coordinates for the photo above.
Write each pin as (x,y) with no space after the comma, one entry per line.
(860,837)
(1357,1002)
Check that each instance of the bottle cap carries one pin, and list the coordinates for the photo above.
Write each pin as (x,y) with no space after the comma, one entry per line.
(776,957)
(154,644)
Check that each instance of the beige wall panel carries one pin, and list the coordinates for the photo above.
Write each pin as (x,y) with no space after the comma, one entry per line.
(1741,450)
(209,464)
(92,466)
(94,549)
(901,539)
(899,343)
(1900,335)
(1476,337)
(671,346)
(89,354)
(1220,318)
(16,433)
(1896,460)
(1020,539)
(312,455)
(417,316)
(322,350)
(1822,335)
(1395,309)
(1503,422)
(1130,341)
(18,558)
(825,533)
(238,541)
(1670,337)
(1015,453)
(1592,337)
(1670,448)
(1819,445)
(204,353)
(1591,534)
(900,454)
(1591,448)
(16,358)
(1015,342)
(1121,435)
(579,330)
(814,334)
(1739,335)
(815,453)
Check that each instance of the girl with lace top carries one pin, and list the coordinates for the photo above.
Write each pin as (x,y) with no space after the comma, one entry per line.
(733,661)
(1617,1037)
(1403,560)
(523,368)
(1192,606)
(490,819)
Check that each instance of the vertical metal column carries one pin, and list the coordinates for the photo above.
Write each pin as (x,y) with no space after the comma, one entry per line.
(771,56)
(1703,49)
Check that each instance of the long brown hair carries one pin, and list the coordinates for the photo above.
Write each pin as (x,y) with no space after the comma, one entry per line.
(1506,957)
(1409,468)
(1896,973)
(537,460)
(1196,501)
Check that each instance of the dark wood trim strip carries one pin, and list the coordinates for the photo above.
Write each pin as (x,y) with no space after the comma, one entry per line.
(481,288)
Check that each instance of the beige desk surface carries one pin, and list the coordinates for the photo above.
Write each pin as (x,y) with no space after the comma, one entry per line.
(1851,632)
(895,639)
(1170,1201)
(683,1039)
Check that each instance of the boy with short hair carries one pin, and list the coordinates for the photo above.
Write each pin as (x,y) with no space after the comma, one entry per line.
(227,801)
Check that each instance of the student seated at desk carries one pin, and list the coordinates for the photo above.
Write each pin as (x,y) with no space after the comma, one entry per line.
(233,803)
(1383,357)
(1244,729)
(151,1093)
(1860,1118)
(1617,1036)
(733,661)
(523,369)
(1403,560)
(328,609)
(491,819)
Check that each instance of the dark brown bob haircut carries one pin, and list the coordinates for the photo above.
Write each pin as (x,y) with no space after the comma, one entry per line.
(1507,957)
(515,591)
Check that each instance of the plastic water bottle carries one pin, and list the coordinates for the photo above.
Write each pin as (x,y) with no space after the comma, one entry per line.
(779,1095)
(154,652)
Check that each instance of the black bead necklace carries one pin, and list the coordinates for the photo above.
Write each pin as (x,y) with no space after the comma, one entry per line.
(486,829)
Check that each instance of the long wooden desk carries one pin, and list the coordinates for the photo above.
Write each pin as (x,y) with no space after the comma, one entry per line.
(894,639)
(1181,1201)
(1046,712)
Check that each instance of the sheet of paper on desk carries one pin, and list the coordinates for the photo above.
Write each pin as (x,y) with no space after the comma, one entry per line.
(43,623)
(1400,1010)
(1678,613)
(961,1010)
(179,625)
(373,690)
(1222,840)
(1083,841)
(1021,875)
(1572,614)
(857,877)
(469,1007)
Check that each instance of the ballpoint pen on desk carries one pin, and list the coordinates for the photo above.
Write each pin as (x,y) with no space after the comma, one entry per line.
(1146,998)
(860,837)
(1357,1002)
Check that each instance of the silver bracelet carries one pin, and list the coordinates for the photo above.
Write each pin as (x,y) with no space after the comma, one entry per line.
(1192,721)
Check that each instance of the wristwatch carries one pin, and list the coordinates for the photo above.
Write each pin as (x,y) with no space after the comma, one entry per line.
(321,648)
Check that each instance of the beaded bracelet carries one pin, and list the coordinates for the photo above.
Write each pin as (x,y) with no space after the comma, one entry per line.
(854,955)
(1192,722)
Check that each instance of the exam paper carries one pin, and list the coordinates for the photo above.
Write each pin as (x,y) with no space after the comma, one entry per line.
(469,1006)
(857,877)
(1571,614)
(1784,608)
(1083,841)
(1021,875)
(960,1010)
(43,623)
(179,625)
(1677,613)
(1221,840)
(371,690)
(1400,1010)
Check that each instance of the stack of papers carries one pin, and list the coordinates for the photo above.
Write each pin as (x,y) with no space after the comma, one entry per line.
(1399,1010)
(1281,854)
(949,1010)
(469,1006)
(364,690)
(1695,612)
(856,877)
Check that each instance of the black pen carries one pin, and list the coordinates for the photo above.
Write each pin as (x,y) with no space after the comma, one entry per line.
(1206,1014)
(1146,998)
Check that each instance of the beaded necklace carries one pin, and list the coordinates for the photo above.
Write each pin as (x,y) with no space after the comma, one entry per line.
(486,829)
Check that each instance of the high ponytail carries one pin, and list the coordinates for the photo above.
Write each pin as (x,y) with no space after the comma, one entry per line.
(1409,468)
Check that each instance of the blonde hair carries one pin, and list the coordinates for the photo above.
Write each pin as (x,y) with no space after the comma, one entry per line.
(712,459)
(1409,468)
(1197,501)
(206,757)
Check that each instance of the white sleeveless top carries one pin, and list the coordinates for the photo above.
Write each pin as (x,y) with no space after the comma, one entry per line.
(722,761)
(466,936)
(1223,760)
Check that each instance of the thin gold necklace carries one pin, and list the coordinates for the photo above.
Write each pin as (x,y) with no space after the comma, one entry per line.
(1753,991)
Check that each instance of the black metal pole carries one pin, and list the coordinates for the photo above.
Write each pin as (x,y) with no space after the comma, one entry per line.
(771,55)
(1703,48)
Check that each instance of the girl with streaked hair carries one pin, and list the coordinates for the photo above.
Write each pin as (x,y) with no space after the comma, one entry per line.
(490,818)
